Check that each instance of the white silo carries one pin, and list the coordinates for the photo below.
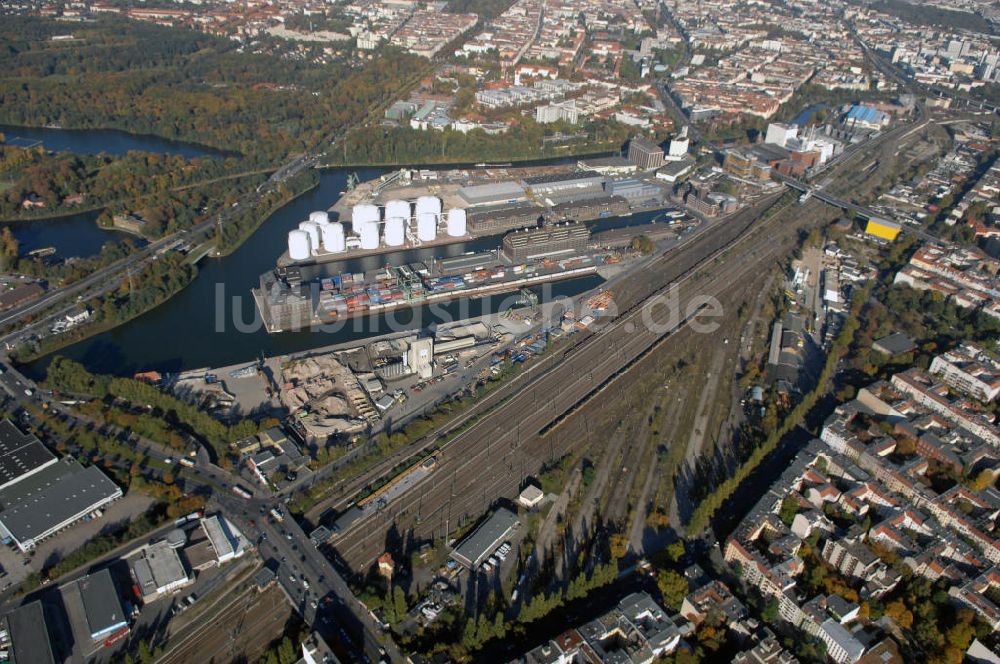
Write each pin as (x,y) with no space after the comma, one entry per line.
(426,226)
(395,231)
(368,232)
(319,217)
(299,247)
(333,238)
(456,222)
(398,208)
(363,212)
(429,204)
(313,230)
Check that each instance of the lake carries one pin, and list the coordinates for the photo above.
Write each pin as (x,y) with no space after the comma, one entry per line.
(72,236)
(96,141)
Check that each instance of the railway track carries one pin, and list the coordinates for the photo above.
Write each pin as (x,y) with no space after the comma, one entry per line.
(656,276)
(483,462)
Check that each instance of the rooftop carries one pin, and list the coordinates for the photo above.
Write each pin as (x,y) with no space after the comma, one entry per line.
(20,454)
(53,496)
(101,603)
(480,543)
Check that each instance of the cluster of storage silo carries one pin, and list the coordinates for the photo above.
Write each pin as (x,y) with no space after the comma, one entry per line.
(314,235)
(401,220)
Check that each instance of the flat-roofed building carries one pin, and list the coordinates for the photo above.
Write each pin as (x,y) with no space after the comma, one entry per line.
(21,454)
(882,228)
(101,605)
(562,184)
(227,542)
(157,570)
(545,241)
(29,635)
(492,194)
(45,502)
(645,154)
(484,540)
(497,219)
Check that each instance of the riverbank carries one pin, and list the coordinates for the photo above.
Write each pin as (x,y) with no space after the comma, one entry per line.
(608,151)
(223,250)
(86,331)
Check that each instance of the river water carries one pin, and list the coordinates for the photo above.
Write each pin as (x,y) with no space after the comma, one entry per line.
(72,236)
(214,322)
(96,141)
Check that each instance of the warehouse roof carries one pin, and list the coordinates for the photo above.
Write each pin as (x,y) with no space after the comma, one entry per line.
(496,191)
(55,495)
(20,454)
(562,177)
(485,538)
(28,634)
(101,603)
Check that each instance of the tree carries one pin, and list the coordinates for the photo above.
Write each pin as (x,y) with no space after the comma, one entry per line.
(673,588)
(899,613)
(675,551)
(789,508)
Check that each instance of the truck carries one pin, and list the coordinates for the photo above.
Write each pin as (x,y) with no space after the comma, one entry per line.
(241,492)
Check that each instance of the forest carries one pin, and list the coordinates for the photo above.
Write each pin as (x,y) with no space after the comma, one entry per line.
(185,85)
(402,145)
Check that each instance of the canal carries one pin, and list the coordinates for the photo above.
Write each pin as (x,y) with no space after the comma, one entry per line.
(214,321)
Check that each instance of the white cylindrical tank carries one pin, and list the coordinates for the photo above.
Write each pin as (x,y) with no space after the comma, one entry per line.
(313,230)
(363,212)
(426,226)
(299,247)
(429,204)
(319,217)
(456,222)
(368,233)
(333,238)
(395,231)
(398,208)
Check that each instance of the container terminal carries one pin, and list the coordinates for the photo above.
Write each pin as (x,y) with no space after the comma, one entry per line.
(409,209)
(527,258)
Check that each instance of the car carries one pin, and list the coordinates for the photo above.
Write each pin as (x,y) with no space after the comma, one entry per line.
(492,561)
(487,567)
(313,604)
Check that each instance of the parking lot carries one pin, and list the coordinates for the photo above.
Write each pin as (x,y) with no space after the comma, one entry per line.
(72,538)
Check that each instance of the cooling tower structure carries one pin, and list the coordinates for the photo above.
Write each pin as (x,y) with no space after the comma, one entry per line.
(299,247)
(333,238)
(456,222)
(395,231)
(426,226)
(319,217)
(313,230)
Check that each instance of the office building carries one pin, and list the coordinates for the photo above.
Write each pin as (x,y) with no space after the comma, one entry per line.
(645,154)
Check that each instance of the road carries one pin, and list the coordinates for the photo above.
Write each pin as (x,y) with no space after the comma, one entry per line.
(494,455)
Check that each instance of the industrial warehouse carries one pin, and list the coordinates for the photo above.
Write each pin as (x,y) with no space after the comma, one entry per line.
(41,494)
(405,210)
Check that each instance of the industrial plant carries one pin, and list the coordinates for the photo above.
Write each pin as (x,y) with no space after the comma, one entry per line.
(399,224)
